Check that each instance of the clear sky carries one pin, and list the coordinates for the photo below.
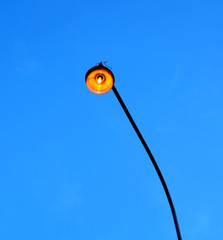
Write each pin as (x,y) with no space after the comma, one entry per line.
(71,166)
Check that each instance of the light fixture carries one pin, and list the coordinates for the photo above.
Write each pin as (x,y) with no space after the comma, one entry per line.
(100,80)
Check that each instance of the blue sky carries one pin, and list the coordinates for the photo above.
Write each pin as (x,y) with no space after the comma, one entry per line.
(71,166)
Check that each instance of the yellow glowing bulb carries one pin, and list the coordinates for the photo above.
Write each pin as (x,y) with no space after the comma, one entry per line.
(99,79)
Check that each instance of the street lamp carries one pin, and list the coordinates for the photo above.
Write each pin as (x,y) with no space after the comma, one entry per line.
(100,80)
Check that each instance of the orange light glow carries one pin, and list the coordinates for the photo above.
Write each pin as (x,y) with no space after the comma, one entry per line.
(99,79)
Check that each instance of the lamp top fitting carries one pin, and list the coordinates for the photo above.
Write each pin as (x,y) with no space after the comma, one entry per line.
(99,79)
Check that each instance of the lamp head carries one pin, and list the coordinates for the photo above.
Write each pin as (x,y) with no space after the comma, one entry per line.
(99,79)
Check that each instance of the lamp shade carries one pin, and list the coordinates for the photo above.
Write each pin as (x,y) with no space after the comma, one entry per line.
(99,79)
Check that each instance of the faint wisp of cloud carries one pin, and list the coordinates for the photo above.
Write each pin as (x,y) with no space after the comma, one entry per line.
(23,63)
(66,197)
(26,66)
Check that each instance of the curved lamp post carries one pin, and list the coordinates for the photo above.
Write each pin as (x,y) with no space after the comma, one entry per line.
(100,80)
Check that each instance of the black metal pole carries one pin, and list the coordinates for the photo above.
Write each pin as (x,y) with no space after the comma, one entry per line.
(153,161)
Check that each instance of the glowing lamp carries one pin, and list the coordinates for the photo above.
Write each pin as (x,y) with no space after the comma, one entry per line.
(99,79)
